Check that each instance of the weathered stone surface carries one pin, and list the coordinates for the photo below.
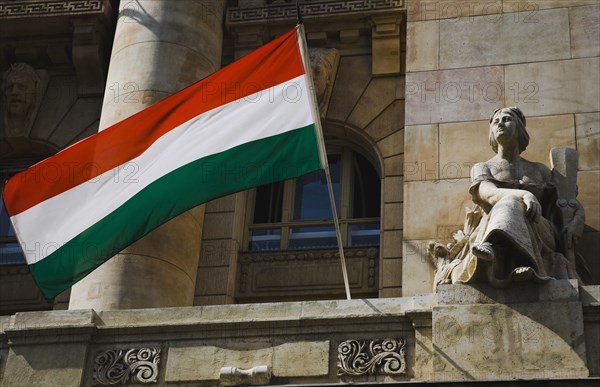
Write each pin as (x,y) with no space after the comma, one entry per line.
(353,76)
(423,46)
(415,260)
(587,127)
(558,87)
(588,183)
(165,23)
(443,9)
(41,365)
(211,300)
(421,154)
(392,269)
(551,291)
(585,31)
(289,359)
(547,38)
(393,166)
(380,93)
(385,44)
(453,95)
(393,189)
(392,244)
(532,6)
(100,294)
(90,130)
(393,216)
(217,252)
(463,144)
(520,340)
(546,133)
(83,114)
(388,122)
(212,280)
(390,292)
(443,202)
(220,227)
(60,97)
(224,204)
(392,144)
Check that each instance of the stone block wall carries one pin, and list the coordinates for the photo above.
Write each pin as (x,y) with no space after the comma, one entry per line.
(463,61)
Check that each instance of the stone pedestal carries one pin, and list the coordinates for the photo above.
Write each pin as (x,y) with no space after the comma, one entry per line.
(529,331)
(160,47)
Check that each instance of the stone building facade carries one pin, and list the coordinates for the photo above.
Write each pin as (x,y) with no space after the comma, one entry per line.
(243,290)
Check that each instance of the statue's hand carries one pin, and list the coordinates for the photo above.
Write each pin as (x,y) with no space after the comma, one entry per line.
(533,209)
(571,234)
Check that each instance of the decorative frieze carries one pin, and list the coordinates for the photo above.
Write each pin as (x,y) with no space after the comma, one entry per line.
(126,366)
(372,357)
(308,9)
(27,8)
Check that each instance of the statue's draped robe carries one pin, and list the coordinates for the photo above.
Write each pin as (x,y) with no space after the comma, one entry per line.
(522,242)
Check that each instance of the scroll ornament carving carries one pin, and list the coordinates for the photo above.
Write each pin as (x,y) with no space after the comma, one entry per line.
(126,366)
(372,357)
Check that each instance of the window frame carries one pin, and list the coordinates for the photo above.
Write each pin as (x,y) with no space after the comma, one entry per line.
(347,152)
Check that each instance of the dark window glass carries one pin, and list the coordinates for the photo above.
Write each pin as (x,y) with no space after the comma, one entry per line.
(367,189)
(311,199)
(268,203)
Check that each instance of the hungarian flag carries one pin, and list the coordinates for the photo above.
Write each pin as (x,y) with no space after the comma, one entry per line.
(251,123)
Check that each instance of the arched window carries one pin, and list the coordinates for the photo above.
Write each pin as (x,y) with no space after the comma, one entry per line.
(296,214)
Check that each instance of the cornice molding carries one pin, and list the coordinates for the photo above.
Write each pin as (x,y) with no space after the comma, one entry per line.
(282,12)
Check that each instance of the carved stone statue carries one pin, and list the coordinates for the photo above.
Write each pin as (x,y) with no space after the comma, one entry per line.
(324,63)
(21,91)
(526,222)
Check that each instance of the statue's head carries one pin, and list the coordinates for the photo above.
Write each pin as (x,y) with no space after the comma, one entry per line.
(20,90)
(519,121)
(323,62)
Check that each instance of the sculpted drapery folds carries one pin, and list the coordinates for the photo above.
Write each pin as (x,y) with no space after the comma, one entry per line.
(516,231)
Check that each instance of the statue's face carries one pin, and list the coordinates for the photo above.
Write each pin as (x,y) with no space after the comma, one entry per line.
(320,80)
(504,127)
(20,93)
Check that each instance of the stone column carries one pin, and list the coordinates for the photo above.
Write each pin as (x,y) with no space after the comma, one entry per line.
(160,47)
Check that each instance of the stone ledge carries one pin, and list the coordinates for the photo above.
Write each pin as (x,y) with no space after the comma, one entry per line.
(551,291)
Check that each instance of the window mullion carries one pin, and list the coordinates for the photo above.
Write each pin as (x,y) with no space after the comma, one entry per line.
(346,185)
(287,210)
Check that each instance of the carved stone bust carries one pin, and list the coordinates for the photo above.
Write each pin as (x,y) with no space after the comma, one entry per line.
(21,92)
(324,63)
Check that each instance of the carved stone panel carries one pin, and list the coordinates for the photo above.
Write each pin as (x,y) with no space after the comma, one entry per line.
(372,357)
(310,273)
(120,366)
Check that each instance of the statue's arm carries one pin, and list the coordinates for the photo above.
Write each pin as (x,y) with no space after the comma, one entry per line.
(486,191)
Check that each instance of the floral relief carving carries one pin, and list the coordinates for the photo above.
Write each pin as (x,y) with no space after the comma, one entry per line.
(122,366)
(372,357)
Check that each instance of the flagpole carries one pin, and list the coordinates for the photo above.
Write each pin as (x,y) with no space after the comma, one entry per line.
(322,152)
